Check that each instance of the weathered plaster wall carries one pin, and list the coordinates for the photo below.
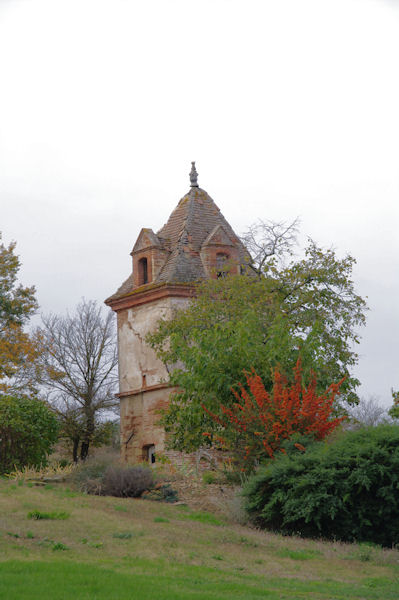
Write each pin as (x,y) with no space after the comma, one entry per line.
(139,369)
(140,427)
(136,358)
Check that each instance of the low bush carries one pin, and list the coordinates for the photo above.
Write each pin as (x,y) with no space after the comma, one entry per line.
(162,492)
(346,490)
(102,477)
(127,482)
(123,535)
(59,546)
(209,477)
(88,475)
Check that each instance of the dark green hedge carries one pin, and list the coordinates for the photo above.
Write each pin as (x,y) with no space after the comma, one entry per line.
(346,490)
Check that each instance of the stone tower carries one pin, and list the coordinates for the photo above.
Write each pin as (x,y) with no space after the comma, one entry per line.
(196,243)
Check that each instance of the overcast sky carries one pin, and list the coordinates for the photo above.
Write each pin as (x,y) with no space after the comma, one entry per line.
(290,108)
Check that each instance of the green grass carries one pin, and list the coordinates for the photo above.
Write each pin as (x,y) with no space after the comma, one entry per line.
(26,580)
(203,517)
(297,554)
(54,516)
(102,551)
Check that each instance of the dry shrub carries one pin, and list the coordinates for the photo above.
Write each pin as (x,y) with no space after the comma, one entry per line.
(128,482)
(233,508)
(56,472)
(88,475)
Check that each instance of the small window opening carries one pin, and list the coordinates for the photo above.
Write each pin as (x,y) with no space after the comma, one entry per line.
(221,260)
(143,271)
(149,454)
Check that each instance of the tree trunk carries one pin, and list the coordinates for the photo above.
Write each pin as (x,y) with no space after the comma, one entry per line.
(84,450)
(75,449)
(88,435)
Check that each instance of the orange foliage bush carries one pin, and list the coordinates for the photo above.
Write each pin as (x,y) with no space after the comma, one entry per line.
(258,422)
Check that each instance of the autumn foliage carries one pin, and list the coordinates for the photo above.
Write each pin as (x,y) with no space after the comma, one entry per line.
(17,305)
(259,422)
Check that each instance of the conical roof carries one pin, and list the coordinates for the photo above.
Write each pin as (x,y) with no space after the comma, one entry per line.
(188,227)
(195,223)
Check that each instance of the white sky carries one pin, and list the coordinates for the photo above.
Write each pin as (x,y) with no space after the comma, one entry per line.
(290,108)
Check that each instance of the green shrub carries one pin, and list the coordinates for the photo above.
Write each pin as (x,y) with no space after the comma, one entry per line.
(208,477)
(59,546)
(28,430)
(162,492)
(346,490)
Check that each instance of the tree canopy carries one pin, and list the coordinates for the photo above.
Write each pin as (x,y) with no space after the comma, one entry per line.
(303,307)
(17,305)
(28,430)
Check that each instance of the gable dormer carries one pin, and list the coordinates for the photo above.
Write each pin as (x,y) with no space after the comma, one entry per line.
(219,253)
(148,257)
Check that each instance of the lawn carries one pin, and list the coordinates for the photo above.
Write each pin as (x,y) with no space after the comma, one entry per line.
(58,544)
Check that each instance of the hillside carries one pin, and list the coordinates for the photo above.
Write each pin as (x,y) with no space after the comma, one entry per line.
(104,547)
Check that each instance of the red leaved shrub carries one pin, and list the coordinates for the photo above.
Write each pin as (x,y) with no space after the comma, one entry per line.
(259,422)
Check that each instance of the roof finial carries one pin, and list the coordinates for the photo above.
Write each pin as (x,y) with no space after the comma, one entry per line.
(193,175)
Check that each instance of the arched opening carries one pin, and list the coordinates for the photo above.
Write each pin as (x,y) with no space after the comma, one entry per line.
(149,454)
(221,260)
(143,271)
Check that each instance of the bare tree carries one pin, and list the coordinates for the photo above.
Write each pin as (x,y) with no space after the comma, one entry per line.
(268,239)
(368,413)
(78,370)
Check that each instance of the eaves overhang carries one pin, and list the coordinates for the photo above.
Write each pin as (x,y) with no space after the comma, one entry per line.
(151,292)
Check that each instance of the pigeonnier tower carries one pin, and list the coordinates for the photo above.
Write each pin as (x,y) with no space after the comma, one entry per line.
(196,243)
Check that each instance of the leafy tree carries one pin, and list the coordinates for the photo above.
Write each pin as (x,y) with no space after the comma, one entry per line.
(78,369)
(394,410)
(259,422)
(17,305)
(346,489)
(28,430)
(305,307)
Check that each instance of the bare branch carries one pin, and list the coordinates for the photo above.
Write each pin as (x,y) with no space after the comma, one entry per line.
(267,240)
(78,368)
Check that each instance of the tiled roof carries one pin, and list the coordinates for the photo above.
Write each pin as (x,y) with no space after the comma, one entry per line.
(188,227)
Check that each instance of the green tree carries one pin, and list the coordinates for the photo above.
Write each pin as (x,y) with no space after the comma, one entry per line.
(307,307)
(17,305)
(77,366)
(28,430)
(394,410)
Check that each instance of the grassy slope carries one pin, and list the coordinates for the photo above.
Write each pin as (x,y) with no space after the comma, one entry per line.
(115,549)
